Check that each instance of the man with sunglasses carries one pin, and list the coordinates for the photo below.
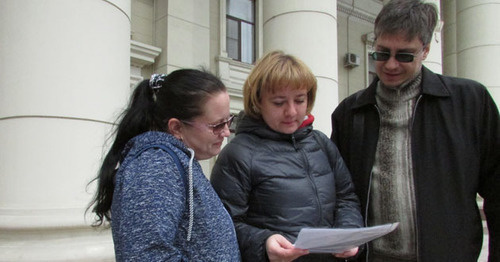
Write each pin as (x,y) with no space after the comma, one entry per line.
(420,146)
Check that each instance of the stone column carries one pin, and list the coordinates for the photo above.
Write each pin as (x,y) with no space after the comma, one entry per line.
(434,58)
(64,77)
(182,31)
(478,44)
(449,11)
(308,30)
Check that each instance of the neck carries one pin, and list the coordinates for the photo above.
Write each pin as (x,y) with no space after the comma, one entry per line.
(403,92)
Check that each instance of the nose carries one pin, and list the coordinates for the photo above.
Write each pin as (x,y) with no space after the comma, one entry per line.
(391,63)
(291,110)
(225,131)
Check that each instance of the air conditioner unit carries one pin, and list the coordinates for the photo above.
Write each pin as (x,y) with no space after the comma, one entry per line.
(351,60)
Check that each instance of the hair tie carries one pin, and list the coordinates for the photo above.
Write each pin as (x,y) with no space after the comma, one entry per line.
(155,81)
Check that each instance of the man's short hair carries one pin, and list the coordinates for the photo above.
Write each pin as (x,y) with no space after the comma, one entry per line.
(413,18)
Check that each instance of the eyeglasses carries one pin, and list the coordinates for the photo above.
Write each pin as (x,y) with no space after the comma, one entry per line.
(217,129)
(400,57)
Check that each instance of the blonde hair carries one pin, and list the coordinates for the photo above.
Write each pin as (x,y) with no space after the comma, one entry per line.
(273,72)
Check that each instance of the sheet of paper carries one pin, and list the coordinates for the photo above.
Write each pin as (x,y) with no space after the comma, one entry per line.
(337,240)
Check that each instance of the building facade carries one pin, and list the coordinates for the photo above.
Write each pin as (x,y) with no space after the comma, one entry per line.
(67,69)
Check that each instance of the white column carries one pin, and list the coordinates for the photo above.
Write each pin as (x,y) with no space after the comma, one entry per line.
(434,58)
(64,77)
(449,38)
(182,31)
(308,30)
(478,46)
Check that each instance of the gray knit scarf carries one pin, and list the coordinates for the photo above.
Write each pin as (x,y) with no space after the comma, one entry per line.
(392,197)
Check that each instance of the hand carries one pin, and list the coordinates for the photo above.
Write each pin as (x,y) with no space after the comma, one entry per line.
(348,253)
(279,249)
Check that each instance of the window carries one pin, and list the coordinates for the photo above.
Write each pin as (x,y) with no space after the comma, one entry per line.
(240,28)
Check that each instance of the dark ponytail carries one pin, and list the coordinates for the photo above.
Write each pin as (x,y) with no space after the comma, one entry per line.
(181,94)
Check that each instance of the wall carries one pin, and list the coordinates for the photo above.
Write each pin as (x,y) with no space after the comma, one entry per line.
(355,20)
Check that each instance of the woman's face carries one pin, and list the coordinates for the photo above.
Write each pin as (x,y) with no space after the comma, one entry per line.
(285,110)
(198,134)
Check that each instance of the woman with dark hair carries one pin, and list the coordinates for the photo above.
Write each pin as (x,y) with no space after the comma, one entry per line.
(151,187)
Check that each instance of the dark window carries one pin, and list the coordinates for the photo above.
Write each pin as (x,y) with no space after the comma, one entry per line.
(240,28)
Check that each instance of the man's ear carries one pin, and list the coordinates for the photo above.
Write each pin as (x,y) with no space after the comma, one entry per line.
(175,126)
(427,48)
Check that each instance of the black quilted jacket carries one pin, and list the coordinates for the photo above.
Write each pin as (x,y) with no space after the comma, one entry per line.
(276,183)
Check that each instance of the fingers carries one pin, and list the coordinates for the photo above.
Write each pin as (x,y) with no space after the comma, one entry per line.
(280,249)
(348,253)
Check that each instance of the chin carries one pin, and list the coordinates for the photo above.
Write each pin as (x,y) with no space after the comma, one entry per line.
(214,152)
(288,131)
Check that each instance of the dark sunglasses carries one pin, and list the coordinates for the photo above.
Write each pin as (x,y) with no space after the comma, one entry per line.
(400,57)
(217,129)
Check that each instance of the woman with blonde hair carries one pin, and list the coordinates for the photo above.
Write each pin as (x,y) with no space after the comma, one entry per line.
(278,175)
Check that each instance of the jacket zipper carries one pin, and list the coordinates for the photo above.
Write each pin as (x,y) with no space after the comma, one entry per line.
(294,143)
(414,179)
(311,180)
(370,187)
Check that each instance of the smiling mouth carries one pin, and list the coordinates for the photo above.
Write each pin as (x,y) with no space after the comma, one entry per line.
(391,74)
(392,77)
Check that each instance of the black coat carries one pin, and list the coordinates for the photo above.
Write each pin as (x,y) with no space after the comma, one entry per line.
(276,183)
(456,154)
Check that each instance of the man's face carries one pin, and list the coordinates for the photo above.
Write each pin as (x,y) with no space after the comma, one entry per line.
(392,72)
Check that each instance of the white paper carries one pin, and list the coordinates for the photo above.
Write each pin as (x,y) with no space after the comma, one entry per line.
(338,240)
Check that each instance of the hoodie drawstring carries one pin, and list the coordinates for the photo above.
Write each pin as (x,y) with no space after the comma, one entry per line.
(190,194)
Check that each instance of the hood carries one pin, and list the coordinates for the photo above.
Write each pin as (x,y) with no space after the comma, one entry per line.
(155,139)
(258,127)
(137,143)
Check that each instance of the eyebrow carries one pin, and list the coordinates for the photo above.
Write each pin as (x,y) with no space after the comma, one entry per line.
(404,50)
(216,122)
(284,97)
